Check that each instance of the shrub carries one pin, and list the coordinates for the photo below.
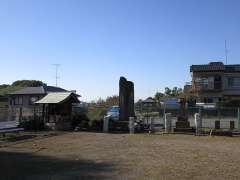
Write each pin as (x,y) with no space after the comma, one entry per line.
(96,125)
(32,123)
(80,120)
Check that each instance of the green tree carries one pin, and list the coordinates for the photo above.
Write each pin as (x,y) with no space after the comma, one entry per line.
(174,92)
(28,83)
(97,109)
(158,96)
(168,91)
(112,100)
(5,88)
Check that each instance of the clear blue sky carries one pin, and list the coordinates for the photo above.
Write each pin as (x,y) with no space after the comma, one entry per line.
(151,42)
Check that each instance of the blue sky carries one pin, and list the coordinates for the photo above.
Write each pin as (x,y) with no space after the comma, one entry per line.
(151,42)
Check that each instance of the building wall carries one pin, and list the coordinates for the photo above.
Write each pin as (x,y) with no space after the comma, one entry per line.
(25,109)
(213,93)
(235,76)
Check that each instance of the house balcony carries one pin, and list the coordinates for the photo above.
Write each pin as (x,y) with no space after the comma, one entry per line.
(205,89)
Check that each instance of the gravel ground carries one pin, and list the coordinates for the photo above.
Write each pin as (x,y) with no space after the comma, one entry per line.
(81,155)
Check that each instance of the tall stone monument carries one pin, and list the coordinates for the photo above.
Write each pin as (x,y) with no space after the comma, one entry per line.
(126,99)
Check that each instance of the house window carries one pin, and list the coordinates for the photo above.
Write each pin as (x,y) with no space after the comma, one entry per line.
(234,82)
(18,100)
(231,82)
(208,100)
(205,83)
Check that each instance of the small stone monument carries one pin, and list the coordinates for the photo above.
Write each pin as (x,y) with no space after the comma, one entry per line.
(198,122)
(168,123)
(182,119)
(131,125)
(126,99)
(106,124)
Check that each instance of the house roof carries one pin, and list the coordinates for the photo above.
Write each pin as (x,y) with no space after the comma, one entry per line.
(38,90)
(58,97)
(49,89)
(215,67)
(149,100)
(29,90)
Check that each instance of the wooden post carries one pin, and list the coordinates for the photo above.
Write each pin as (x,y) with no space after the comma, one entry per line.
(43,113)
(34,118)
(20,115)
(239,118)
(232,125)
(217,125)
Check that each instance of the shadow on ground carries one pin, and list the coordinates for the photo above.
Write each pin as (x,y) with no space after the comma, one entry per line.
(23,166)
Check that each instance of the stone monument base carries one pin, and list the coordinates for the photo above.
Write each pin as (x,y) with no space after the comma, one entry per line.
(182,123)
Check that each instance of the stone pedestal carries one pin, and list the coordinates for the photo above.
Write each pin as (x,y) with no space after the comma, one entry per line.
(151,125)
(106,124)
(182,119)
(168,122)
(182,122)
(131,125)
(198,122)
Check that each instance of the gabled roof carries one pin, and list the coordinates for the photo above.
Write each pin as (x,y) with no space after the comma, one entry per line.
(58,97)
(38,90)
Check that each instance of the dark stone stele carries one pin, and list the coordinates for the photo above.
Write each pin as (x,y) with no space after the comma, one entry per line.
(126,99)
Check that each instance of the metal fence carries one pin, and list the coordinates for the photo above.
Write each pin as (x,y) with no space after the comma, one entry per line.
(220,118)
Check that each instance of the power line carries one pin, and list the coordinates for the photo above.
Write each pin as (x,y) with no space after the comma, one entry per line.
(56,73)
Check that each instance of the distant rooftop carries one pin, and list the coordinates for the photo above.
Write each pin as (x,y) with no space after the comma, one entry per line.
(38,90)
(215,67)
(149,100)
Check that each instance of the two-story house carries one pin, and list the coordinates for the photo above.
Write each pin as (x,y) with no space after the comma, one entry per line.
(22,102)
(215,82)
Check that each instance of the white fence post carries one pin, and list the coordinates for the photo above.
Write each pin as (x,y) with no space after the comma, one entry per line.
(131,125)
(198,122)
(106,124)
(151,129)
(168,122)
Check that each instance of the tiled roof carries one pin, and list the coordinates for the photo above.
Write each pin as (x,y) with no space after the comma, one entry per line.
(38,90)
(29,90)
(215,67)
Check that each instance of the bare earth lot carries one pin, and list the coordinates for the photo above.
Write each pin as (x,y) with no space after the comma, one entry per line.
(118,156)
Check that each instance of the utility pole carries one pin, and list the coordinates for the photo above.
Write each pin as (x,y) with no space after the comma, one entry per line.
(56,73)
(226,52)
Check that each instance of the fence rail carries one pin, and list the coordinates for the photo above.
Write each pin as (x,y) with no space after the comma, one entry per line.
(222,118)
(8,114)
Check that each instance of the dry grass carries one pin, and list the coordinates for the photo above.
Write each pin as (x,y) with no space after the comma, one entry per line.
(119,156)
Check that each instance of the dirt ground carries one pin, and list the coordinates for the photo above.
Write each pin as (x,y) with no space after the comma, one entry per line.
(82,155)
